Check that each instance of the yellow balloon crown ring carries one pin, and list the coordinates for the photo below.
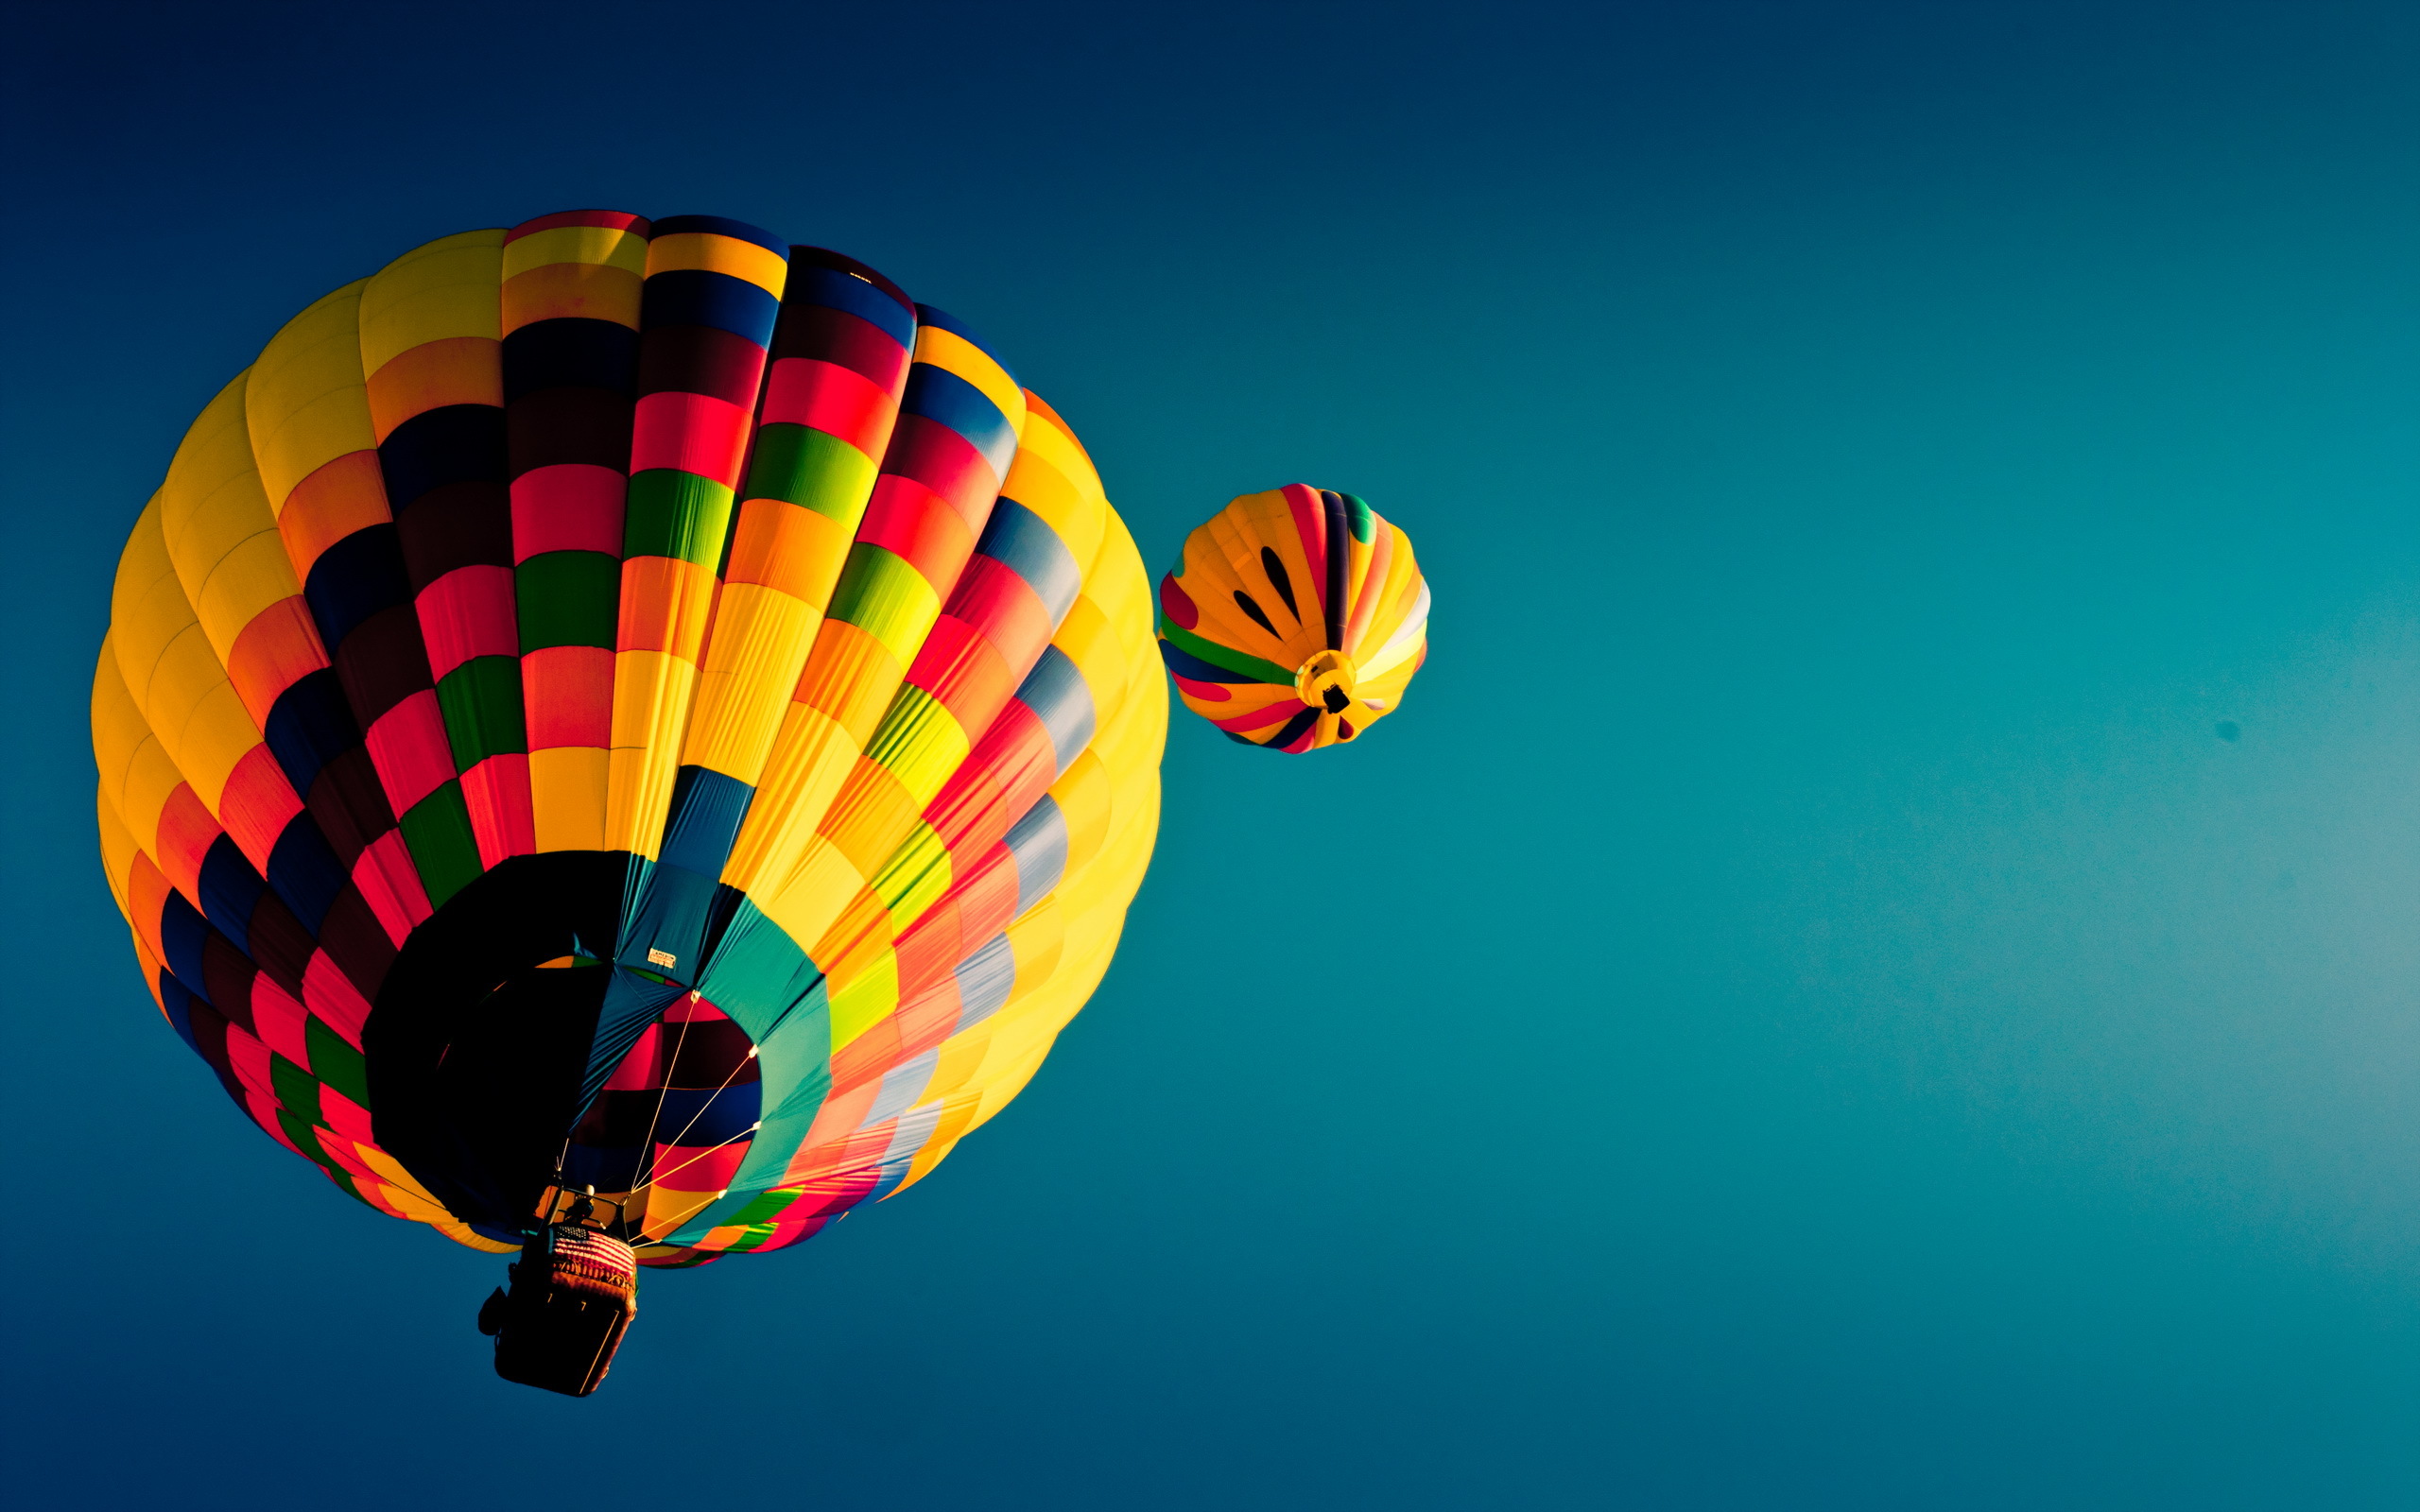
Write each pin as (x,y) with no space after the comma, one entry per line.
(1325,681)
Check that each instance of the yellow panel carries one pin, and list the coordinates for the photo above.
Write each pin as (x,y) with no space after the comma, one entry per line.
(117,849)
(757,648)
(600,246)
(250,579)
(446,288)
(567,797)
(955,353)
(147,607)
(305,401)
(867,1001)
(706,251)
(651,693)
(811,758)
(570,291)
(118,728)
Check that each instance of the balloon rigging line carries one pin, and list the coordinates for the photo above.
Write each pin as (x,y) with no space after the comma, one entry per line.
(674,1142)
(661,1092)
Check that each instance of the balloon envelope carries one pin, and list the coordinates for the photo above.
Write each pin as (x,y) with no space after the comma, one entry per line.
(1295,619)
(628,705)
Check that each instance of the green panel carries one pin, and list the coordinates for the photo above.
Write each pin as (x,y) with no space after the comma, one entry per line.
(1222,655)
(807,467)
(1358,519)
(883,595)
(674,513)
(296,1088)
(483,703)
(438,832)
(567,599)
(336,1063)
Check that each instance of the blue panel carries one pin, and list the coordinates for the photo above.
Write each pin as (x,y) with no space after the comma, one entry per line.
(695,297)
(630,1004)
(229,890)
(607,1170)
(305,873)
(1039,843)
(179,1004)
(309,726)
(1059,696)
(984,980)
(940,395)
(1021,540)
(353,580)
(455,443)
(571,352)
(926,314)
(836,290)
(184,933)
(706,814)
(668,915)
(705,1116)
(719,226)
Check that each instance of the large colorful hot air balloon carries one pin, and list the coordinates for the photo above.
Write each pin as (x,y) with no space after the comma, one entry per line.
(1295,619)
(625,741)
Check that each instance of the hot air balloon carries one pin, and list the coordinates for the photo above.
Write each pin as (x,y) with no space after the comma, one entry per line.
(622,742)
(1295,619)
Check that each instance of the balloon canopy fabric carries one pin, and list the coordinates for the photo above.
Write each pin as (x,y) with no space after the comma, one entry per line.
(642,701)
(1295,619)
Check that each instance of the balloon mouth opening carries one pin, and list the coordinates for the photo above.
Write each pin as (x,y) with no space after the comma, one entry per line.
(1325,681)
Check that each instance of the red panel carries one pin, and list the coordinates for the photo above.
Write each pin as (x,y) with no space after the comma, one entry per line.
(832,399)
(257,804)
(567,696)
(612,219)
(186,831)
(390,886)
(692,433)
(408,747)
(945,463)
(468,612)
(909,519)
(497,791)
(334,997)
(997,601)
(568,507)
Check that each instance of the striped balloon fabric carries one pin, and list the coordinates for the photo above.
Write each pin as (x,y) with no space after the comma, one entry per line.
(1295,619)
(633,706)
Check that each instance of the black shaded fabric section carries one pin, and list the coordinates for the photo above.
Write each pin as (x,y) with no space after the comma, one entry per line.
(843,341)
(1339,569)
(453,443)
(353,580)
(355,939)
(278,944)
(461,525)
(570,352)
(309,726)
(701,360)
(229,890)
(348,806)
(303,872)
(561,425)
(697,296)
(474,1052)
(383,662)
(1272,564)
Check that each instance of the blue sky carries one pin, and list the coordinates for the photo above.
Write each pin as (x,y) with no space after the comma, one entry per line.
(1816,1014)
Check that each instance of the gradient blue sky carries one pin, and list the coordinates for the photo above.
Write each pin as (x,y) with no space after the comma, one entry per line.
(1813,1014)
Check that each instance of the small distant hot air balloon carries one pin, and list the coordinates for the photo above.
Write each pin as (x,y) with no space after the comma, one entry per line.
(1295,619)
(622,742)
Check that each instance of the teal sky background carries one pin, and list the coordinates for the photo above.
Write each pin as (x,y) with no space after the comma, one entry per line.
(1804,1008)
